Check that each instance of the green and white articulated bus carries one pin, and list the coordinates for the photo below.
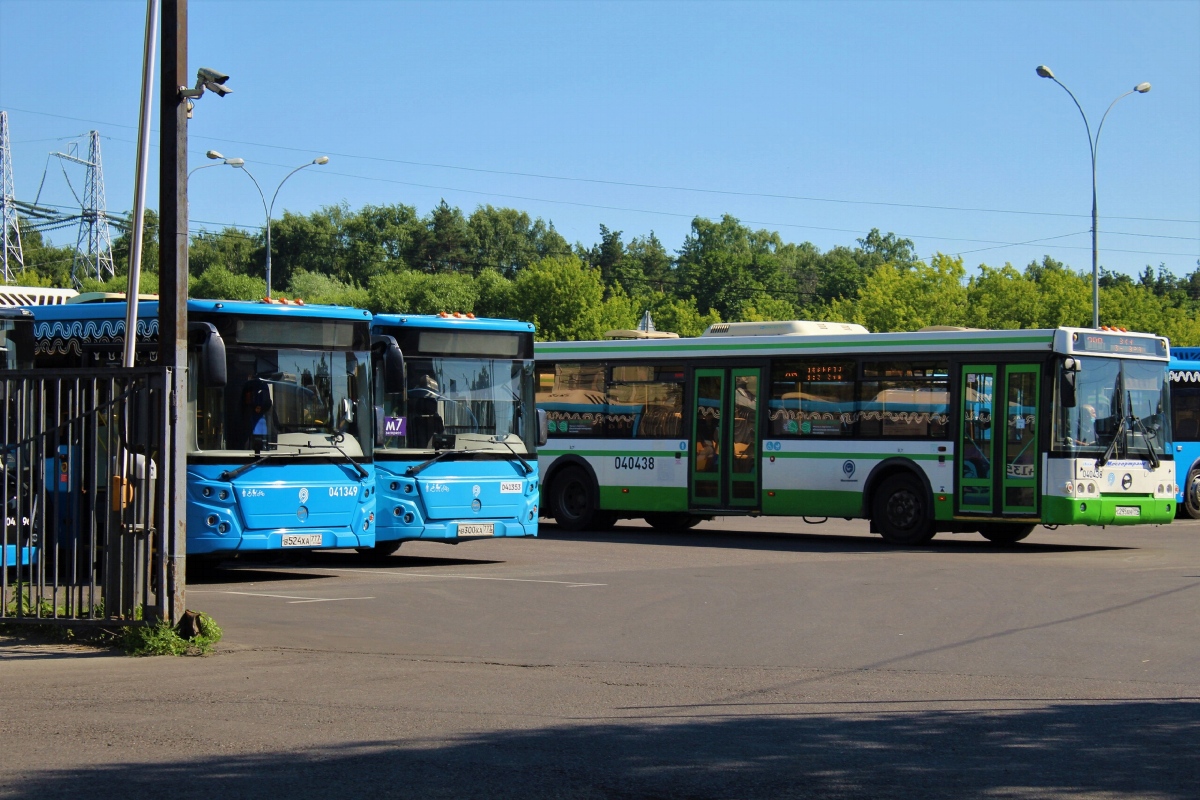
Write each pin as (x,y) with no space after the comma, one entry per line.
(938,430)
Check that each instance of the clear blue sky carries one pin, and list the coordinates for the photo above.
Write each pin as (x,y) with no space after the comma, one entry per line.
(820,120)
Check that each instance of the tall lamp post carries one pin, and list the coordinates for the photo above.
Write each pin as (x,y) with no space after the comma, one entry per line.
(268,208)
(213,154)
(1093,143)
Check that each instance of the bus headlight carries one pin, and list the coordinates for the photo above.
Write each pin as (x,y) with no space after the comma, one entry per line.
(1070,487)
(1091,488)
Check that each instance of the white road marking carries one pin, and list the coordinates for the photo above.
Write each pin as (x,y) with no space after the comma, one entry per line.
(291,598)
(568,584)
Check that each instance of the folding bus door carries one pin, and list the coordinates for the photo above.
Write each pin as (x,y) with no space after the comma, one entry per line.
(998,458)
(724,461)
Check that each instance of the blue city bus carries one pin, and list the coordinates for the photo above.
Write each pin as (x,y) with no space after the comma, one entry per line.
(279,436)
(16,338)
(1184,372)
(456,429)
(16,353)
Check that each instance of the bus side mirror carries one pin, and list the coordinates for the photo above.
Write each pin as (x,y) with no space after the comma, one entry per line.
(212,352)
(543,424)
(347,414)
(393,362)
(1066,382)
(380,427)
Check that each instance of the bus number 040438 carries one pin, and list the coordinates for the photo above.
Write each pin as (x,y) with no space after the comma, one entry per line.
(634,462)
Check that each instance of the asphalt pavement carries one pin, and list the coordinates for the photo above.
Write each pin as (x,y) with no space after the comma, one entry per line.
(746,658)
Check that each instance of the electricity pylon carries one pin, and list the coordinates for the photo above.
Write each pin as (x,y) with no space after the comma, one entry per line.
(93,247)
(10,232)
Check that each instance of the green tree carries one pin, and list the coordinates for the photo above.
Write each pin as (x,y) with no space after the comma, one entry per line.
(45,264)
(507,240)
(1002,298)
(495,295)
(562,297)
(219,283)
(314,288)
(900,298)
(123,244)
(729,268)
(232,248)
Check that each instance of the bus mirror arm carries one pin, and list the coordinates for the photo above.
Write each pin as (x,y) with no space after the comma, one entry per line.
(393,362)
(212,352)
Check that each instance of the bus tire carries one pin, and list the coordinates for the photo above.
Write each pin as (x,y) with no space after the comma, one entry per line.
(380,550)
(576,502)
(901,510)
(1004,532)
(671,522)
(1191,494)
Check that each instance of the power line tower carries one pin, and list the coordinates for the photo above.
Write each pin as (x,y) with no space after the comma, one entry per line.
(93,247)
(10,232)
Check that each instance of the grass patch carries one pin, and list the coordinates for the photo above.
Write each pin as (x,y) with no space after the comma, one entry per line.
(196,634)
(160,639)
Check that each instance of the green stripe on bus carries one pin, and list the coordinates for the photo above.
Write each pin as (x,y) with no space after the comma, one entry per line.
(811,503)
(860,456)
(611,453)
(1103,511)
(643,498)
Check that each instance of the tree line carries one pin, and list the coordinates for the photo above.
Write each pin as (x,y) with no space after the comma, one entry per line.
(500,262)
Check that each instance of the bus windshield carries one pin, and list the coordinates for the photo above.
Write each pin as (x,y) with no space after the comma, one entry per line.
(481,402)
(1120,408)
(283,398)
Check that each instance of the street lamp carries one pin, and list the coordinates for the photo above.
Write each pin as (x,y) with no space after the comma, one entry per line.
(213,154)
(269,208)
(1093,144)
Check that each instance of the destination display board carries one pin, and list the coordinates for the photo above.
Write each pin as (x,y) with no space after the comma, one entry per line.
(1119,344)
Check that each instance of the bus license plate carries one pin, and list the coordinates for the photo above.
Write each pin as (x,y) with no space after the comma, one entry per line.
(476,529)
(302,540)
(1128,511)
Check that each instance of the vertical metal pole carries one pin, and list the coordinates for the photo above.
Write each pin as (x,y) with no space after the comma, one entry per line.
(173,275)
(139,191)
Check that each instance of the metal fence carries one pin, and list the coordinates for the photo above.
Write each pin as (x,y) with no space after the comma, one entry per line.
(85,491)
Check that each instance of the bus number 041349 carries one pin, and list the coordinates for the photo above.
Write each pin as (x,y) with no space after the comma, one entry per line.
(634,462)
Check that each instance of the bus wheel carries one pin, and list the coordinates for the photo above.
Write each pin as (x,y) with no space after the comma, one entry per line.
(901,511)
(1191,494)
(671,522)
(575,502)
(1002,533)
(380,550)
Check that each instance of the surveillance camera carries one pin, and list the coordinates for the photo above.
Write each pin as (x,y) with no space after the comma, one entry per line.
(207,79)
(205,75)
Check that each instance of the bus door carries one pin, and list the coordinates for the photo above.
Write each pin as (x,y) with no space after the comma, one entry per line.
(998,457)
(724,449)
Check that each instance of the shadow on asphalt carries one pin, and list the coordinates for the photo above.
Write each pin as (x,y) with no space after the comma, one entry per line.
(807,542)
(274,567)
(1109,749)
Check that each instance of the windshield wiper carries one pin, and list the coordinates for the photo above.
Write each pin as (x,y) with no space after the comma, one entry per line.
(230,474)
(413,470)
(1112,446)
(525,464)
(1146,434)
(333,440)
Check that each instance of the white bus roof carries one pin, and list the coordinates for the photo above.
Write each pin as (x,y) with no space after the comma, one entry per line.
(1081,341)
(34,296)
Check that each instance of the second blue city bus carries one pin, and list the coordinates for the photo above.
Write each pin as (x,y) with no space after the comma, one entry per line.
(456,427)
(1184,372)
(279,420)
